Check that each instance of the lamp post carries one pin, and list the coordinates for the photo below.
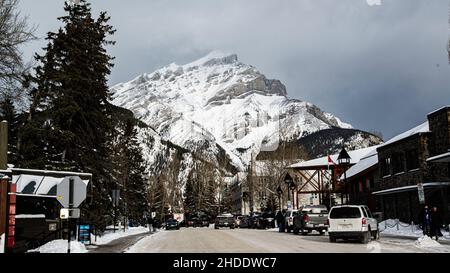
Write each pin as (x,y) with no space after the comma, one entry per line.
(344,160)
(289,181)
(279,192)
(292,187)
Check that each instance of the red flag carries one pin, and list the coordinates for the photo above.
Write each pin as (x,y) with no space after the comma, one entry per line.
(330,161)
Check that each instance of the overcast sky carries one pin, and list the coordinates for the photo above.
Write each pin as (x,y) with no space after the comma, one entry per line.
(379,68)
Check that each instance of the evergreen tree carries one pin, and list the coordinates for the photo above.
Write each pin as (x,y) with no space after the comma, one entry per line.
(130,169)
(69,124)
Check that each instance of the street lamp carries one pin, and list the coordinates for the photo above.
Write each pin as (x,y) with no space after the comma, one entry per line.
(344,160)
(289,181)
(292,187)
(279,192)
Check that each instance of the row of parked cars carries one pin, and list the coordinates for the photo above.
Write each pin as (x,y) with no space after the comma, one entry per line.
(341,222)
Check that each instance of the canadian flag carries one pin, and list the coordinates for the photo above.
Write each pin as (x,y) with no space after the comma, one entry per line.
(330,161)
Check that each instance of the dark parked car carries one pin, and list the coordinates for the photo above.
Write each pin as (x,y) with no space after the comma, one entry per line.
(202,222)
(172,224)
(224,220)
(245,222)
(311,218)
(191,222)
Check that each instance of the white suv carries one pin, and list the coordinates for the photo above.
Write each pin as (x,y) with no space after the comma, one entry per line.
(289,220)
(352,221)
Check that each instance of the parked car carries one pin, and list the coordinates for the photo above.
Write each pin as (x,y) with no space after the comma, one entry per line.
(202,222)
(269,218)
(289,219)
(352,221)
(224,220)
(311,218)
(237,220)
(172,224)
(191,222)
(245,222)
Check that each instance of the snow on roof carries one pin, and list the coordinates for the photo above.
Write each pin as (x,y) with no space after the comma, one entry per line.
(437,110)
(412,187)
(422,128)
(37,184)
(355,157)
(366,162)
(445,157)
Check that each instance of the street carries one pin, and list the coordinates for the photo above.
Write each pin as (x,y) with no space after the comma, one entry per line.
(208,240)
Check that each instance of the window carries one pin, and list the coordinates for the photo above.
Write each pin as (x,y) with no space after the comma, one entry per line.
(412,159)
(371,182)
(364,212)
(386,166)
(397,163)
(345,212)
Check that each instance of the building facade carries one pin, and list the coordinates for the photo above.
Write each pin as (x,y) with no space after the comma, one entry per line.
(405,168)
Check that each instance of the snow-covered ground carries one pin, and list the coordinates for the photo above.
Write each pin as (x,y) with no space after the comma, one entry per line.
(110,236)
(60,246)
(394,227)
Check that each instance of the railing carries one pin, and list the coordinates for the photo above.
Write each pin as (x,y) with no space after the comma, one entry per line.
(413,226)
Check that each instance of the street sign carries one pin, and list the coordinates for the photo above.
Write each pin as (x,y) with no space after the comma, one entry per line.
(84,234)
(78,193)
(421,193)
(69,213)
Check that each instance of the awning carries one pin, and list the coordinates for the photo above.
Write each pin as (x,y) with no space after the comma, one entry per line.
(412,188)
(440,158)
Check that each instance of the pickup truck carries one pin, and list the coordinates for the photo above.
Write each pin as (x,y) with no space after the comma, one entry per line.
(311,218)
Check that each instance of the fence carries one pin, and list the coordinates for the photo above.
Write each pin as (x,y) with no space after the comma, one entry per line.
(397,224)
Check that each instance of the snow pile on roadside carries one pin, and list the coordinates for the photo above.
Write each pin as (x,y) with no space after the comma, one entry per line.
(426,242)
(60,246)
(110,236)
(390,227)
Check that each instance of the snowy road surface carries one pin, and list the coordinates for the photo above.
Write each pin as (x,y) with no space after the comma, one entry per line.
(207,240)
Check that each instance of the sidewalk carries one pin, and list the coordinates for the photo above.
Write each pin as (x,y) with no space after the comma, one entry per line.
(118,245)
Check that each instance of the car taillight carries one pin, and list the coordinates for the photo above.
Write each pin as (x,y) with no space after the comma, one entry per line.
(364,221)
(328,222)
(306,218)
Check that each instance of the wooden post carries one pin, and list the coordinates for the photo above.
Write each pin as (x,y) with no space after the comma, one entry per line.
(3,145)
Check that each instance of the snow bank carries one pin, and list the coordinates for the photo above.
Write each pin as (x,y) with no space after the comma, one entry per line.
(111,236)
(426,242)
(390,227)
(60,246)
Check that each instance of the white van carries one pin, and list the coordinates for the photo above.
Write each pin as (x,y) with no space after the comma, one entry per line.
(352,221)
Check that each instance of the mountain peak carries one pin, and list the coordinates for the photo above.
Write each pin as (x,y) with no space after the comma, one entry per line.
(215,57)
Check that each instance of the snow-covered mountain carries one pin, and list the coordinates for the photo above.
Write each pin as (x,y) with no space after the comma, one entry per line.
(218,104)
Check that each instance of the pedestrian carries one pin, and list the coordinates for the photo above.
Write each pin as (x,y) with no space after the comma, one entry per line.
(280,221)
(436,223)
(426,221)
(150,224)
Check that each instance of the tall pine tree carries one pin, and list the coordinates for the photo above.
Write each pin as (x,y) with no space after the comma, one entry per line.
(69,124)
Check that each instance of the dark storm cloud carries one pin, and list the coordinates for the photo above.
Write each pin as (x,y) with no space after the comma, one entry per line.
(379,68)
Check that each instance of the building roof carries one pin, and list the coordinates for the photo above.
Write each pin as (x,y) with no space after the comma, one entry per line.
(322,162)
(445,157)
(422,128)
(411,188)
(366,162)
(41,182)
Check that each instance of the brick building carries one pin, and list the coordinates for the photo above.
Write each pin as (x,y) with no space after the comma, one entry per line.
(417,157)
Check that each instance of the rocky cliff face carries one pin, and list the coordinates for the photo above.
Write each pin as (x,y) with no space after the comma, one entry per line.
(221,108)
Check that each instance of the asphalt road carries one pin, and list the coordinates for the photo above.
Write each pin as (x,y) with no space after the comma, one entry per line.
(208,240)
